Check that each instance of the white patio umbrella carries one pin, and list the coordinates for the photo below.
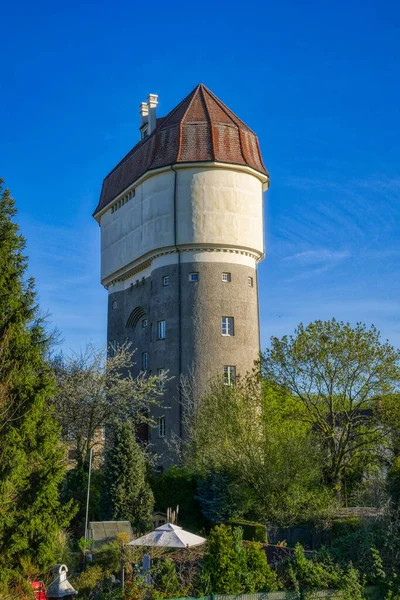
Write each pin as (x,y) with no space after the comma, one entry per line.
(169,536)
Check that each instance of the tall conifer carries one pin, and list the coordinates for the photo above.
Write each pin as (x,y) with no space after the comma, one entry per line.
(31,456)
(128,495)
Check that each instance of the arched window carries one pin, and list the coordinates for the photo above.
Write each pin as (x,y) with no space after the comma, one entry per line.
(136,315)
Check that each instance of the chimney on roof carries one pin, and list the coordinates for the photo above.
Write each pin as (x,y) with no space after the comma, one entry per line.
(152,102)
(144,119)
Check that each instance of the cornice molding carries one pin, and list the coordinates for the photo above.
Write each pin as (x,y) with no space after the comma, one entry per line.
(132,270)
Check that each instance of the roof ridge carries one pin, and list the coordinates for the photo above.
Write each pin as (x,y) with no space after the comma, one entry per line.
(193,93)
(226,110)
(174,110)
(202,87)
(156,129)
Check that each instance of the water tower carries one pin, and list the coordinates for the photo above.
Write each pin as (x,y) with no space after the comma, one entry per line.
(182,232)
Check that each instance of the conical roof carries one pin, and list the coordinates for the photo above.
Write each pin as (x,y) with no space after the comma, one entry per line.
(200,129)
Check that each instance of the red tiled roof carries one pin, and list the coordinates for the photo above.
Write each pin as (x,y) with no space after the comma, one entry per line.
(200,129)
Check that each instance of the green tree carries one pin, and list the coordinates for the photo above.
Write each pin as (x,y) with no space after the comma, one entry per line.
(165,579)
(31,454)
(255,453)
(260,576)
(338,373)
(222,569)
(127,493)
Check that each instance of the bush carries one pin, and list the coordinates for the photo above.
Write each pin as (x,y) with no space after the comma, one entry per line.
(13,586)
(311,573)
(165,579)
(260,577)
(222,569)
(342,527)
(352,585)
(252,532)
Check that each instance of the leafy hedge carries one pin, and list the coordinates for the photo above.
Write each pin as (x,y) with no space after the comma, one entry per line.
(252,532)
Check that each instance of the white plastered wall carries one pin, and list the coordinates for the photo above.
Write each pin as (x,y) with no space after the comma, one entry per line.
(216,207)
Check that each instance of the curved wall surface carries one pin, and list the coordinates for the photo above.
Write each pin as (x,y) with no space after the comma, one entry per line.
(210,206)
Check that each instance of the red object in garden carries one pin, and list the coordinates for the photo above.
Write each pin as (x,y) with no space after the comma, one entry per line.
(39,590)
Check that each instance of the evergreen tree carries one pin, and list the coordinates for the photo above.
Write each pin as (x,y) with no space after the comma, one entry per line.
(31,456)
(127,494)
(223,567)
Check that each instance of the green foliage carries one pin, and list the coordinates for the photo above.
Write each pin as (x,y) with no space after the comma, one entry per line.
(312,574)
(32,457)
(165,579)
(346,526)
(221,571)
(74,489)
(229,567)
(14,586)
(337,372)
(222,497)
(257,457)
(127,494)
(259,577)
(178,487)
(108,557)
(253,532)
(93,583)
(357,545)
(352,585)
(394,482)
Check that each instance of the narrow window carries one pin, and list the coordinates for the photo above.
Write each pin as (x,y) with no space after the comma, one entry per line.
(161,427)
(145,322)
(161,328)
(115,304)
(229,374)
(226,277)
(194,276)
(145,361)
(227,326)
(113,347)
(165,280)
(161,375)
(250,281)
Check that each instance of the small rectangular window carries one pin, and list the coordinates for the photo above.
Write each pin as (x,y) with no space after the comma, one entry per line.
(161,427)
(162,375)
(226,277)
(161,330)
(165,280)
(250,281)
(113,347)
(229,374)
(227,326)
(194,277)
(145,361)
(145,322)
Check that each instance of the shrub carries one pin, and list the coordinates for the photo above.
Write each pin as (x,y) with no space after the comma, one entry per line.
(352,585)
(221,570)
(252,532)
(342,527)
(165,579)
(260,577)
(311,573)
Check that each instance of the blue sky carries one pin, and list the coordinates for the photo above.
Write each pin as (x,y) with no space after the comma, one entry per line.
(317,81)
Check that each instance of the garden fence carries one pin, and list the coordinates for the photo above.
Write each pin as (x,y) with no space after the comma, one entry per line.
(371,593)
